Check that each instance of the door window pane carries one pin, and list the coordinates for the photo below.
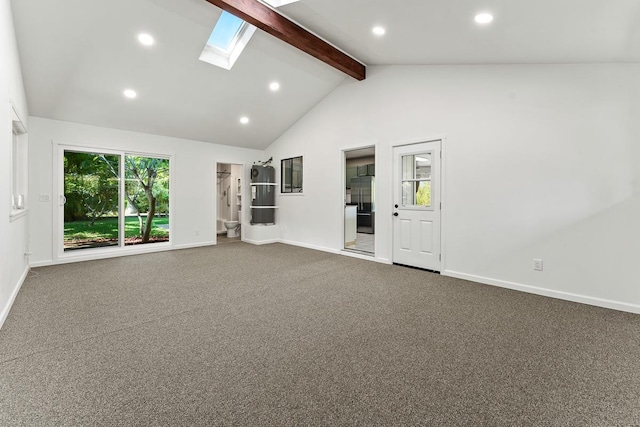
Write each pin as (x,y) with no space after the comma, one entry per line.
(416,180)
(146,200)
(423,193)
(91,190)
(422,166)
(408,167)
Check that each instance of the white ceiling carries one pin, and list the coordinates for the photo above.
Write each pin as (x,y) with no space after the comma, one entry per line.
(444,31)
(79,55)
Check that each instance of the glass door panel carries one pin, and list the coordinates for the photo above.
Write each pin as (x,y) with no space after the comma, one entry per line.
(416,180)
(91,192)
(146,200)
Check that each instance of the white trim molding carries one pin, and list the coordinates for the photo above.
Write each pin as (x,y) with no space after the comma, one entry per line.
(104,253)
(59,146)
(365,257)
(566,296)
(5,310)
(194,245)
(17,214)
(114,254)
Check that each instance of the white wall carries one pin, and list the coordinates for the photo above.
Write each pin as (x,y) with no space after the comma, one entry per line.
(193,178)
(13,245)
(541,161)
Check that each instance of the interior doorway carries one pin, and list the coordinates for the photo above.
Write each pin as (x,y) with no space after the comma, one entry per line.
(417,207)
(229,217)
(359,200)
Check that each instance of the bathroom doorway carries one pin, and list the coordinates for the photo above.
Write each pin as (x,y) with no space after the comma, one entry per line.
(229,213)
(359,200)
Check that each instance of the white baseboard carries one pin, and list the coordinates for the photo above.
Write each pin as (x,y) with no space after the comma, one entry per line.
(567,296)
(195,245)
(36,264)
(261,242)
(365,257)
(116,253)
(5,310)
(100,253)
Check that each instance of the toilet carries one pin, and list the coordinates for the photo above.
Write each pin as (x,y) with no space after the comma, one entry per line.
(232,228)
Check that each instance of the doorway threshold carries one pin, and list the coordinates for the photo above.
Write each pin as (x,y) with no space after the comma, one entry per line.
(367,256)
(417,268)
(359,252)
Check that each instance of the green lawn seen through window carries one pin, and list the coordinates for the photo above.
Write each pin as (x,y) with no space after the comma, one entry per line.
(107,228)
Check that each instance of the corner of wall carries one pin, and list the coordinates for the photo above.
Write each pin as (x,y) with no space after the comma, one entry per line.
(6,308)
(13,248)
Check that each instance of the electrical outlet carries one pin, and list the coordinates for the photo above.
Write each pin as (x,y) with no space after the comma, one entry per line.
(537,264)
(44,198)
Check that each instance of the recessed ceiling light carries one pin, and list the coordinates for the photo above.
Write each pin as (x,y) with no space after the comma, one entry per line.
(484,18)
(274,86)
(130,93)
(378,30)
(244,120)
(146,39)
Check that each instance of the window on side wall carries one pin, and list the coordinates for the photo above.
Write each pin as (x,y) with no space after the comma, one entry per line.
(291,175)
(18,165)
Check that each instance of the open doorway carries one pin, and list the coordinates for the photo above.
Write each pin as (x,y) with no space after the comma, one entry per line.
(360,206)
(229,202)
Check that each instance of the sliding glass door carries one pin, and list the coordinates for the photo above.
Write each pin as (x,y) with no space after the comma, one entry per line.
(91,200)
(113,199)
(147,200)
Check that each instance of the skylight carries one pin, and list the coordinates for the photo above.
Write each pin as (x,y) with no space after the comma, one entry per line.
(227,40)
(226,32)
(229,37)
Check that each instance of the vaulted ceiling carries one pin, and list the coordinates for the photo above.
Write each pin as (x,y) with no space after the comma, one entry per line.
(79,55)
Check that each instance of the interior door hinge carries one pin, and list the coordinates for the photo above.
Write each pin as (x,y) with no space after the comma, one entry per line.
(440,257)
(440,205)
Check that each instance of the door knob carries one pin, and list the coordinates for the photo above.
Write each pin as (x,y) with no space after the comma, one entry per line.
(395,214)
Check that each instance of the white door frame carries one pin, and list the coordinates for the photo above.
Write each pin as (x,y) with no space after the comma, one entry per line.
(243,199)
(58,255)
(443,192)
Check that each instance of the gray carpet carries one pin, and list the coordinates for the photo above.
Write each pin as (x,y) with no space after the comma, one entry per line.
(278,335)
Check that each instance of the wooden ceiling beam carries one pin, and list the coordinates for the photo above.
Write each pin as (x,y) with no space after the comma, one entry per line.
(267,19)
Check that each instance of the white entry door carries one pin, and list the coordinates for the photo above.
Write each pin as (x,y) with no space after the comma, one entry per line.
(416,213)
